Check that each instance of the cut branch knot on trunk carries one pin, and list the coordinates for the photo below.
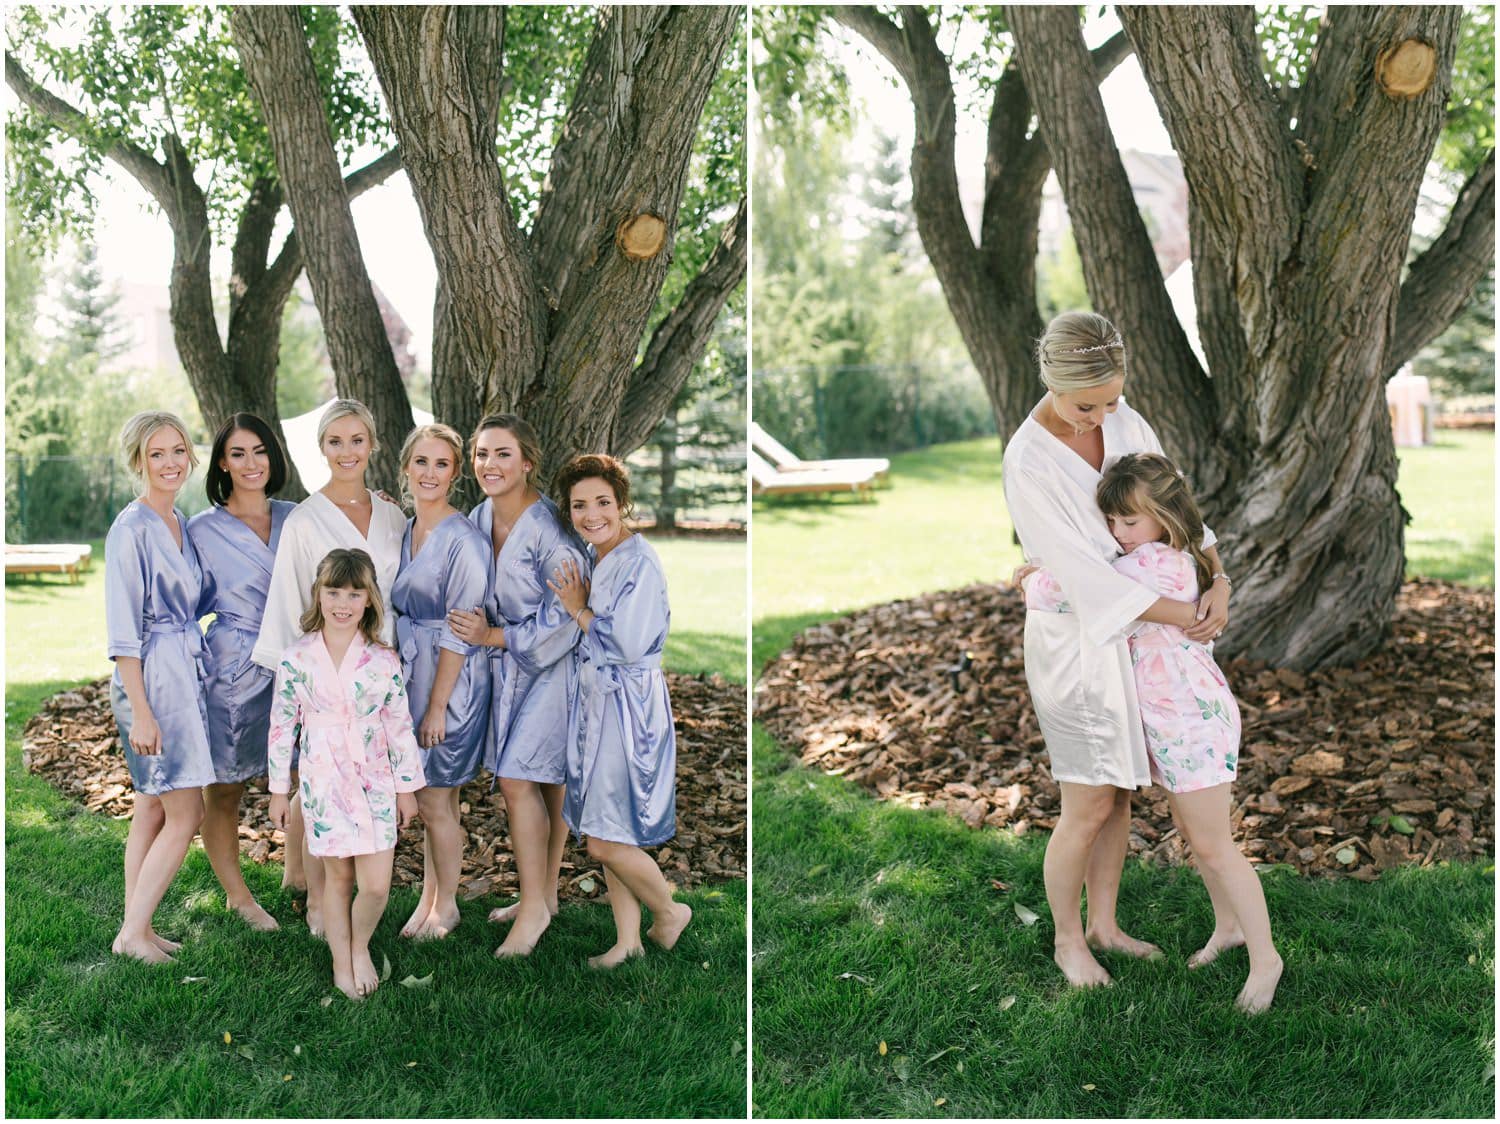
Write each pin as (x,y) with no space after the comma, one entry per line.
(1407,69)
(641,237)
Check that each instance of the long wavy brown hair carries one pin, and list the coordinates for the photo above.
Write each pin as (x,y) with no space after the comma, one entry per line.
(1149,484)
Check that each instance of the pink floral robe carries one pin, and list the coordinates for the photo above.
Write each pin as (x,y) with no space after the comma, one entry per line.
(358,748)
(1191,720)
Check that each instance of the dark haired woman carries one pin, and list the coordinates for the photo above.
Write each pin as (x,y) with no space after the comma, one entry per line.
(622,754)
(236,541)
(530,639)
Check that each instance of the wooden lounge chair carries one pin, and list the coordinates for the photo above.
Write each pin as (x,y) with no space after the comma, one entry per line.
(767,480)
(48,558)
(787,461)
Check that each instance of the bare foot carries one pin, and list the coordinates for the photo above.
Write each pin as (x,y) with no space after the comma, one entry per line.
(500,915)
(366,978)
(296,883)
(1260,988)
(256,917)
(439,925)
(161,942)
(418,919)
(1117,940)
(666,929)
(315,921)
(147,950)
(1217,942)
(523,935)
(1079,965)
(344,981)
(616,956)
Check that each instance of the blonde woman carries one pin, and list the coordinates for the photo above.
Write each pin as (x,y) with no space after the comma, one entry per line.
(343,513)
(1077,660)
(152,584)
(445,564)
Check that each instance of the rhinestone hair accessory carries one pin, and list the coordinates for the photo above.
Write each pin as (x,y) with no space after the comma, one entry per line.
(1116,342)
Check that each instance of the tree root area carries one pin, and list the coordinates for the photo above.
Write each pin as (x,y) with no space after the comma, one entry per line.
(74,744)
(1343,772)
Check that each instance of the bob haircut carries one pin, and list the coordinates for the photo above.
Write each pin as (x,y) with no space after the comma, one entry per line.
(591,466)
(218,484)
(138,429)
(346,569)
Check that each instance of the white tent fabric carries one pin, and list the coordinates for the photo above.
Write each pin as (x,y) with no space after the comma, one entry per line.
(1180,292)
(301,434)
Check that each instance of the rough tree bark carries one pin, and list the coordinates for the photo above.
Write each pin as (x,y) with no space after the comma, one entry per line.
(273,49)
(239,375)
(1298,245)
(550,325)
(990,287)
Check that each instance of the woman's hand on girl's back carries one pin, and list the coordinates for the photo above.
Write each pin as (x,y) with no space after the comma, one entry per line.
(1021,573)
(1213,613)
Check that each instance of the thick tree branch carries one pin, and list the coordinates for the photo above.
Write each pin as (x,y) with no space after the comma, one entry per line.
(678,341)
(593,143)
(1119,263)
(1442,278)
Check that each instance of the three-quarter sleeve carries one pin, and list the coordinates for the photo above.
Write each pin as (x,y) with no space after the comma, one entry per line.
(125,578)
(1164,571)
(464,586)
(1106,602)
(285,600)
(286,719)
(637,617)
(400,738)
(549,634)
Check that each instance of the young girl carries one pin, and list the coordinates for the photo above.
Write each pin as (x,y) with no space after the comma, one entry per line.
(622,751)
(360,765)
(1191,721)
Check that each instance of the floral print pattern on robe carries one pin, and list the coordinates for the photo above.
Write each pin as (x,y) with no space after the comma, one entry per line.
(358,748)
(1192,721)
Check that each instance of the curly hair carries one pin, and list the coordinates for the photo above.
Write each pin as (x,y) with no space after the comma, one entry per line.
(600,466)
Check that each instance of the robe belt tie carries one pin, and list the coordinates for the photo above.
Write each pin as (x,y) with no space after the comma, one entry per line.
(194,636)
(236,621)
(406,633)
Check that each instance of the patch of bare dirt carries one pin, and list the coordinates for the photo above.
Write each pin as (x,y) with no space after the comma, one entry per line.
(74,744)
(1348,771)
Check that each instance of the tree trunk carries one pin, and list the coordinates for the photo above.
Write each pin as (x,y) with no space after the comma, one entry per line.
(1300,276)
(280,68)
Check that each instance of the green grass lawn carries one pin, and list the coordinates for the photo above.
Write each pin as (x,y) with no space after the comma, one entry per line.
(88,1034)
(875,923)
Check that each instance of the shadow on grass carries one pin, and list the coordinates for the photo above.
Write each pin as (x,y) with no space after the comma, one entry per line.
(692,652)
(1444,558)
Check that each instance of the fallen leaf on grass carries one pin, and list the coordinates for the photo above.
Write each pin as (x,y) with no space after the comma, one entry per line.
(385,967)
(326,1001)
(882,1048)
(1026,916)
(995,883)
(714,894)
(247,1052)
(821,868)
(974,987)
(413,981)
(193,979)
(228,1038)
(939,1054)
(705,965)
(1007,1003)
(297,1050)
(410,1065)
(939,1102)
(853,976)
(901,1066)
(959,1068)
(1398,823)
(1089,1088)
(286,1076)
(587,885)
(1346,855)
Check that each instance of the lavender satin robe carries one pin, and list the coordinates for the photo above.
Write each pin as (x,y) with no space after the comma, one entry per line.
(530,676)
(622,753)
(236,576)
(451,571)
(151,592)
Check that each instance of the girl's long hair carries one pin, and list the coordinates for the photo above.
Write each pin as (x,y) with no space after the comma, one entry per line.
(346,569)
(1149,484)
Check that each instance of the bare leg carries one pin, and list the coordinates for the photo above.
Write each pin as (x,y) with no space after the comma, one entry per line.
(639,872)
(557,843)
(183,812)
(627,911)
(1205,816)
(221,841)
(312,867)
(417,922)
(529,830)
(146,820)
(1085,810)
(374,876)
(1226,934)
(293,876)
(1102,880)
(338,888)
(442,862)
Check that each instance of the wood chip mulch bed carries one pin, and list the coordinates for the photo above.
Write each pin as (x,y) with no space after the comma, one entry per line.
(1348,771)
(74,744)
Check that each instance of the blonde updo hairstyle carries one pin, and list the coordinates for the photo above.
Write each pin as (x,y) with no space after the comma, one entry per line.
(444,433)
(1080,350)
(519,428)
(139,429)
(348,408)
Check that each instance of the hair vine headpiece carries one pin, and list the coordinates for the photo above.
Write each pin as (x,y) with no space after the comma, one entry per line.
(1116,342)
